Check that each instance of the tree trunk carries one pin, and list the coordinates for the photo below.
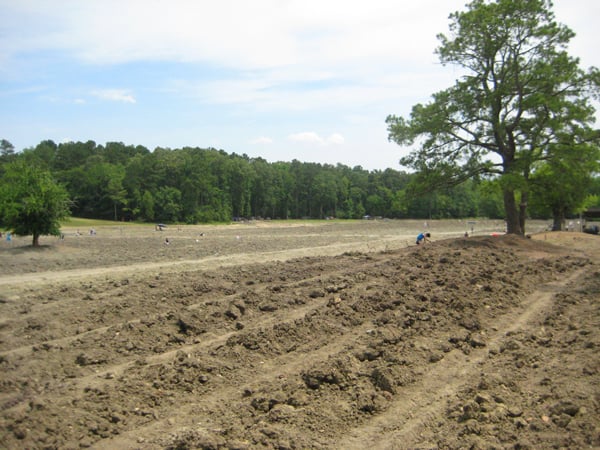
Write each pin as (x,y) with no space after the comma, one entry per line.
(36,240)
(512,216)
(558,219)
(523,210)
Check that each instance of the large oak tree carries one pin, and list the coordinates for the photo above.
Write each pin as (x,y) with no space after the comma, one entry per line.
(521,96)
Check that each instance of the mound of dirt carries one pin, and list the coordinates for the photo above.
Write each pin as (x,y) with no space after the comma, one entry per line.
(485,342)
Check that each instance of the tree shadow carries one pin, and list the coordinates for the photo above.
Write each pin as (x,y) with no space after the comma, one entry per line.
(25,249)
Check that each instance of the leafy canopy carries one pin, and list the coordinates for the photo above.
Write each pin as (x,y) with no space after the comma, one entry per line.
(31,202)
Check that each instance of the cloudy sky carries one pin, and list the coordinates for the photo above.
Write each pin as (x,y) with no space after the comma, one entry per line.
(311,80)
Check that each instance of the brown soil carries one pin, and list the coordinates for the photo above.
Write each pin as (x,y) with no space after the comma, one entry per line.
(343,336)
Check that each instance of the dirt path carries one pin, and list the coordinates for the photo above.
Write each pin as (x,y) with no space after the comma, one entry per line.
(355,342)
(210,262)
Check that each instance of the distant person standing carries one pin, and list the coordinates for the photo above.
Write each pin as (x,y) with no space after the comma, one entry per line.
(422,238)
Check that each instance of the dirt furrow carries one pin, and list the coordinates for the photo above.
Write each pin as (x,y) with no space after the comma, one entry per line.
(109,297)
(426,400)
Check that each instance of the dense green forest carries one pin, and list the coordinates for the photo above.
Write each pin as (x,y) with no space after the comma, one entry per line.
(195,185)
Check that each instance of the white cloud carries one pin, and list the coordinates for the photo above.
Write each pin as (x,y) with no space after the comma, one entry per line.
(336,139)
(280,60)
(114,95)
(284,91)
(224,91)
(262,140)
(310,137)
(307,137)
(232,33)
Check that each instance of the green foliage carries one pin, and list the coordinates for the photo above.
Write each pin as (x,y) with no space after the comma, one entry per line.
(93,223)
(7,151)
(43,154)
(594,192)
(591,201)
(193,185)
(147,206)
(31,202)
(520,99)
(562,184)
(168,204)
(490,200)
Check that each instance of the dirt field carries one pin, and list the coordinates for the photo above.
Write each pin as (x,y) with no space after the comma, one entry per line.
(301,336)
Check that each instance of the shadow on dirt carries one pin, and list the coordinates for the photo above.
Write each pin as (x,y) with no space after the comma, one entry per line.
(26,249)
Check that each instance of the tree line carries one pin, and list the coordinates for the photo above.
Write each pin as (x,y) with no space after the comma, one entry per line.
(194,185)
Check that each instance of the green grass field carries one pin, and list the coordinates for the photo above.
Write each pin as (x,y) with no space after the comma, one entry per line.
(95,223)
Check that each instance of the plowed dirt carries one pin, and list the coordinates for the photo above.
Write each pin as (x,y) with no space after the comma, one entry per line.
(322,336)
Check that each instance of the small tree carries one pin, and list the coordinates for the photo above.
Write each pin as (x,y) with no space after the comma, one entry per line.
(563,184)
(7,150)
(31,202)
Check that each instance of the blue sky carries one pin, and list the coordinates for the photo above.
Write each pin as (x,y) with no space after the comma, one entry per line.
(311,80)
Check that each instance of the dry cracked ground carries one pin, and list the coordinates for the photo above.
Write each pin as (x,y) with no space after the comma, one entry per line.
(328,336)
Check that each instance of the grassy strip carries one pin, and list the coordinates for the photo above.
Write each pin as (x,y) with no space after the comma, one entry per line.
(96,223)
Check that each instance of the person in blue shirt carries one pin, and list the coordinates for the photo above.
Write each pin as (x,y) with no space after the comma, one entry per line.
(422,238)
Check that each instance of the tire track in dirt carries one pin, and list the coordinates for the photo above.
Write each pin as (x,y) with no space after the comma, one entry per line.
(29,348)
(207,341)
(108,375)
(270,371)
(426,401)
(212,339)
